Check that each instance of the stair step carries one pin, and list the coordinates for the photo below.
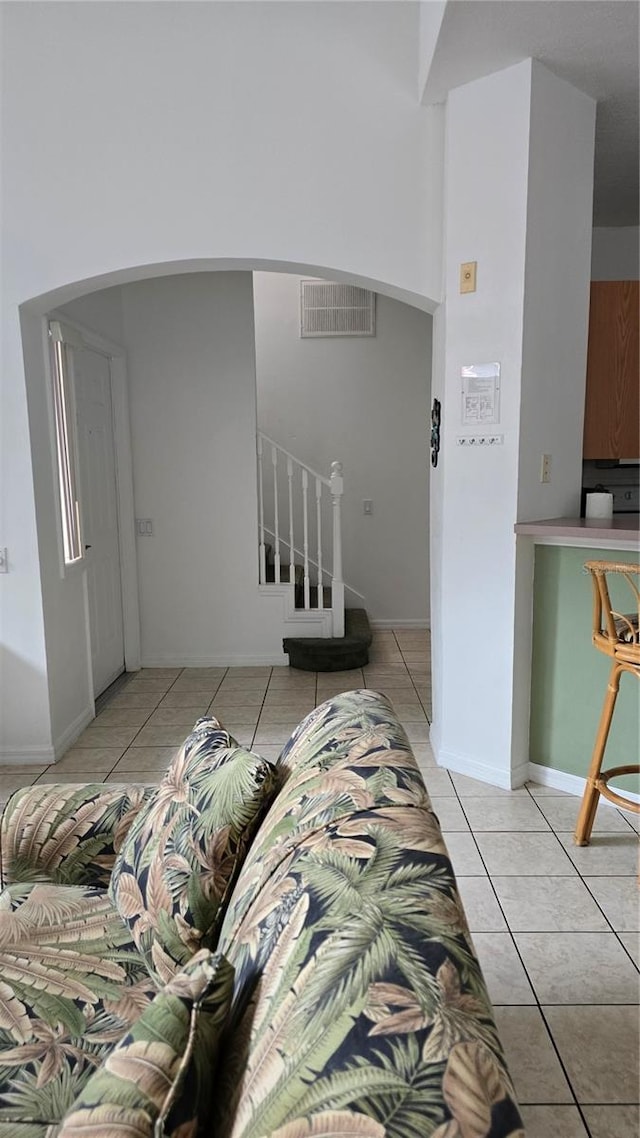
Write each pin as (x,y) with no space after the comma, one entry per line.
(335,653)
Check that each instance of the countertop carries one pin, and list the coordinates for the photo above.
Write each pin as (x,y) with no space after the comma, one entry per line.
(619,532)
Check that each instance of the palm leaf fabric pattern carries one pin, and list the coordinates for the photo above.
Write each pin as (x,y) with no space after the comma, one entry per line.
(359,1004)
(180,856)
(67,833)
(71,985)
(159,1075)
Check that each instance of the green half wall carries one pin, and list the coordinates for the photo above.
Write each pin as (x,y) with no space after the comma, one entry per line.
(569,675)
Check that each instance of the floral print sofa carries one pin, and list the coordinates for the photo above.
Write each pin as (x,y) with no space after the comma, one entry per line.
(345,997)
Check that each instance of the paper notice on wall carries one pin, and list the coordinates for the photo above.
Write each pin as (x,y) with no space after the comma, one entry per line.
(480,394)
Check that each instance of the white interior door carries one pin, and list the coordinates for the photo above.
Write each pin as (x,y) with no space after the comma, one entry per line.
(98,492)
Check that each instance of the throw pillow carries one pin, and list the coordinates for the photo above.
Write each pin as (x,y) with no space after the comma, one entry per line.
(180,857)
(158,1080)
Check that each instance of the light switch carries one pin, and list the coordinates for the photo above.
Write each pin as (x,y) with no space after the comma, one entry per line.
(367,507)
(545,468)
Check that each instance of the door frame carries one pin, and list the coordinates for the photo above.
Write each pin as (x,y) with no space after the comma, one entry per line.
(119,383)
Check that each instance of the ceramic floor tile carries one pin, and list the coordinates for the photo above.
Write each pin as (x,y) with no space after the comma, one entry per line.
(598,1046)
(417,732)
(9,783)
(160,735)
(480,905)
(612,1121)
(257,687)
(239,730)
(528,854)
(439,784)
(145,685)
(562,813)
(202,674)
(107,737)
(184,717)
(553,1122)
(250,672)
(53,776)
(531,1057)
(548,904)
(284,714)
(122,717)
(238,699)
(632,818)
(274,733)
(631,942)
(128,699)
(502,968)
(538,790)
(449,813)
(473,788)
(464,854)
(578,968)
(608,855)
(197,701)
(423,753)
(146,759)
(392,668)
(204,687)
(147,674)
(146,777)
(619,898)
(411,714)
(504,814)
(89,759)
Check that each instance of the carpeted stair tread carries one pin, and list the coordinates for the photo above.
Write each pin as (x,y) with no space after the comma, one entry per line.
(332,654)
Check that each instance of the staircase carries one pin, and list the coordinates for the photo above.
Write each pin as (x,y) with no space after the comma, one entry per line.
(297,506)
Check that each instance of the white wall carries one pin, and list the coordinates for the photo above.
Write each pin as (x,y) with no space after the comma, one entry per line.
(615,254)
(524,215)
(365,402)
(221,134)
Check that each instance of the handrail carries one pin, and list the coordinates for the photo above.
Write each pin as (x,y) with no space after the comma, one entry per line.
(298,462)
(312,561)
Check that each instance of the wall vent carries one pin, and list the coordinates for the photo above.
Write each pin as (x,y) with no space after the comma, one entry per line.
(331,309)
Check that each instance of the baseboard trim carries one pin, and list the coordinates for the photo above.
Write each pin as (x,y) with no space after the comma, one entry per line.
(26,756)
(386,624)
(569,783)
(240,661)
(465,764)
(73,732)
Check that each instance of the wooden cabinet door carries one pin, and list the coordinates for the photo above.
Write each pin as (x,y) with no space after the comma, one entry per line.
(612,411)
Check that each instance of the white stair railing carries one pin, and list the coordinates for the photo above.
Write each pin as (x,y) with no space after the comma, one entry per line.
(296,506)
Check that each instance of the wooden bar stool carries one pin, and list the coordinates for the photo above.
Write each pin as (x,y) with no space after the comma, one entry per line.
(615,634)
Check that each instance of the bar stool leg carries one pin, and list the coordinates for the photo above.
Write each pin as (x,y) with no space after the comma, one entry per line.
(591,796)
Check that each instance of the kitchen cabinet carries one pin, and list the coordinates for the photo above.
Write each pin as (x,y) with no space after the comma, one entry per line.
(612,408)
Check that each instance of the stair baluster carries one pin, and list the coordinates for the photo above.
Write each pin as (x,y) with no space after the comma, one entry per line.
(305,542)
(292,552)
(276,556)
(319,535)
(263,554)
(337,584)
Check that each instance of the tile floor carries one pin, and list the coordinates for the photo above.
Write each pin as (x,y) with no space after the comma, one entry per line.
(556,927)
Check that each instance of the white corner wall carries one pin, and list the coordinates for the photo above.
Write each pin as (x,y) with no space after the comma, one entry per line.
(364,402)
(524,215)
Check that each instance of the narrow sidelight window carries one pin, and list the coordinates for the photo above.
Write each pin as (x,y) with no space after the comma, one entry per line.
(66,451)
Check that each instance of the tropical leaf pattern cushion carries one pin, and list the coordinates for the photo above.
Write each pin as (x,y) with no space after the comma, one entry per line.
(360,1007)
(181,854)
(67,833)
(161,1076)
(71,985)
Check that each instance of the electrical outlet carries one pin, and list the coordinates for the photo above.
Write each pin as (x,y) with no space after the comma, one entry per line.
(468,276)
(545,468)
(144,527)
(367,507)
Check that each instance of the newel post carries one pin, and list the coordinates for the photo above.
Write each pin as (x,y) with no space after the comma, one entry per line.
(337,584)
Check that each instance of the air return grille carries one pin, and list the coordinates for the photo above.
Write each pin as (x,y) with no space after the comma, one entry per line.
(332,309)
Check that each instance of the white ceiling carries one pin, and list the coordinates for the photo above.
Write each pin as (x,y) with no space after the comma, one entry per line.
(591,43)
